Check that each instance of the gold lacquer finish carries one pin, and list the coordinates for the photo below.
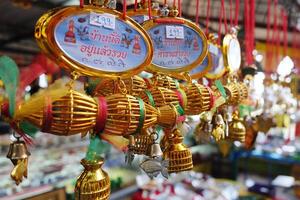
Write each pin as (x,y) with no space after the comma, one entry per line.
(124,115)
(18,154)
(139,144)
(44,34)
(237,130)
(198,99)
(231,52)
(93,183)
(233,93)
(179,156)
(150,24)
(161,96)
(134,86)
(167,116)
(162,80)
(71,114)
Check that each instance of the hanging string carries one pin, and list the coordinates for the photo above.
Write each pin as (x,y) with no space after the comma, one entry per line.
(237,10)
(246,17)
(197,12)
(207,16)
(252,25)
(268,51)
(165,2)
(174,3)
(284,28)
(220,25)
(224,15)
(124,9)
(275,34)
(81,3)
(135,5)
(230,13)
(149,9)
(179,7)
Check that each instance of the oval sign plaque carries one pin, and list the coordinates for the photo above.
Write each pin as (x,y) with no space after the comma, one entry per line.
(94,41)
(203,68)
(179,45)
(232,53)
(217,70)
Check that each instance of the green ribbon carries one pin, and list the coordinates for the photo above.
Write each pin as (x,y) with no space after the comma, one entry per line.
(176,83)
(150,97)
(28,128)
(96,148)
(179,109)
(9,74)
(244,110)
(221,88)
(142,115)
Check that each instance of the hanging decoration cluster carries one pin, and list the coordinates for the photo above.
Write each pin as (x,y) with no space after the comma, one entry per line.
(124,108)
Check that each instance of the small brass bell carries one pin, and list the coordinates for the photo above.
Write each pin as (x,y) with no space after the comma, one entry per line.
(204,129)
(18,154)
(155,150)
(179,156)
(93,183)
(237,130)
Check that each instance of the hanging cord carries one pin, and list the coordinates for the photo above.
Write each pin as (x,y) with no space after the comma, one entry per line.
(237,11)
(124,9)
(179,7)
(174,3)
(149,9)
(224,15)
(220,25)
(230,13)
(207,16)
(268,40)
(197,12)
(252,25)
(81,3)
(135,5)
(275,32)
(246,17)
(284,28)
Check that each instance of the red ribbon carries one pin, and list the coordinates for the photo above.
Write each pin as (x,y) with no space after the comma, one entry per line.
(81,3)
(147,83)
(197,12)
(180,98)
(47,116)
(230,13)
(168,20)
(207,16)
(5,109)
(149,9)
(27,139)
(237,10)
(124,9)
(211,97)
(102,115)
(284,27)
(135,5)
(179,8)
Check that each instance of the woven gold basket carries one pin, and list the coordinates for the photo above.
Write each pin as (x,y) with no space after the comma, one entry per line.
(161,96)
(198,99)
(140,143)
(179,156)
(162,80)
(244,92)
(233,93)
(72,114)
(93,183)
(134,86)
(124,115)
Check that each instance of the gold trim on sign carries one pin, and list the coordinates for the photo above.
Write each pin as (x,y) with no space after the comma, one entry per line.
(44,34)
(149,24)
(226,42)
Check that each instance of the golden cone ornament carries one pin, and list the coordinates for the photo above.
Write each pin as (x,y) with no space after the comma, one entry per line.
(93,183)
(71,114)
(178,155)
(233,93)
(244,91)
(167,116)
(139,144)
(199,99)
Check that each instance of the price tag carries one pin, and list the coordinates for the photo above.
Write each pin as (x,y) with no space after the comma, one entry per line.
(174,32)
(105,20)
(213,49)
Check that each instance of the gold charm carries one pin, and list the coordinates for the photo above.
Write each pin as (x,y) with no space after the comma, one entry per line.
(93,183)
(160,96)
(18,154)
(162,80)
(237,130)
(219,128)
(199,99)
(179,156)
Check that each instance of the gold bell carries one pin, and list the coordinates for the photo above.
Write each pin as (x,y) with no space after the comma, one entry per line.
(179,156)
(93,183)
(139,144)
(18,154)
(237,130)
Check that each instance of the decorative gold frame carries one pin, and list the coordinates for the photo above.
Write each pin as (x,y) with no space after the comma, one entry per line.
(226,42)
(216,76)
(44,34)
(208,67)
(147,25)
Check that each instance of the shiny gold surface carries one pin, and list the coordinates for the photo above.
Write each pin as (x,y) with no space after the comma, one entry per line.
(161,96)
(93,183)
(179,156)
(167,116)
(149,24)
(44,34)
(237,130)
(226,46)
(198,99)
